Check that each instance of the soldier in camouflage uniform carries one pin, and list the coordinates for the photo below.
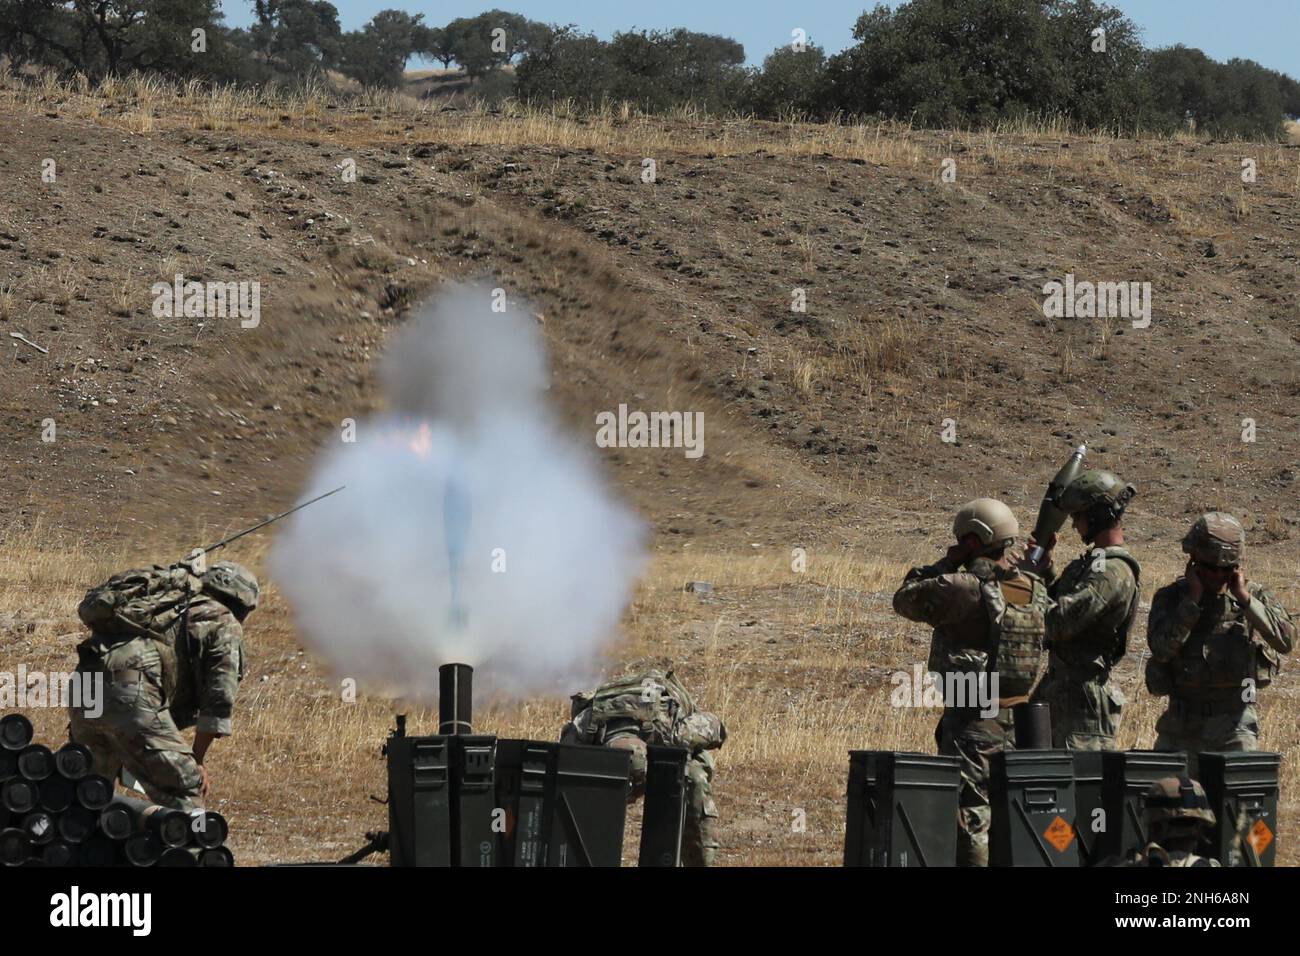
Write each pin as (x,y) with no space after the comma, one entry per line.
(1178,819)
(949,596)
(170,647)
(1215,640)
(1096,600)
(654,708)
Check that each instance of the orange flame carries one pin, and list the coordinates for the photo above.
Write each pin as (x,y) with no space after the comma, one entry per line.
(422,442)
(419,441)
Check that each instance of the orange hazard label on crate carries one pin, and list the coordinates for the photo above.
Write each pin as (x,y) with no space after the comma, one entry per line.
(1260,836)
(1059,833)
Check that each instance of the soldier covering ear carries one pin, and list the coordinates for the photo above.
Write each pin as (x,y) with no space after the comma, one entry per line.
(1216,641)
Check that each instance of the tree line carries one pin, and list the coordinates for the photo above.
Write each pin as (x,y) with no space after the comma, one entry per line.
(933,63)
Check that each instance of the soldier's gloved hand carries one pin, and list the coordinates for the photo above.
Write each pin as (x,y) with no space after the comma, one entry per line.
(205,784)
(1238,585)
(959,553)
(1195,587)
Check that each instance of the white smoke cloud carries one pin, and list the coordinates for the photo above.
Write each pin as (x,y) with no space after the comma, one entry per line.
(466,473)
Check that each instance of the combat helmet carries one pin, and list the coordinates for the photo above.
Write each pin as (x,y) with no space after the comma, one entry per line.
(1100,497)
(1216,539)
(989,520)
(234,586)
(1177,803)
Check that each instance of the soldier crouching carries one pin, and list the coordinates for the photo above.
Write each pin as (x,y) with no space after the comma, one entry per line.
(170,647)
(654,708)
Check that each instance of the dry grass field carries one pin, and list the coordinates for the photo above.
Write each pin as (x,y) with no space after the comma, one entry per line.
(824,426)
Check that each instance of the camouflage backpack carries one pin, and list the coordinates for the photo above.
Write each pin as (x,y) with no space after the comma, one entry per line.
(146,602)
(653,705)
(1258,661)
(139,603)
(1017,608)
(647,704)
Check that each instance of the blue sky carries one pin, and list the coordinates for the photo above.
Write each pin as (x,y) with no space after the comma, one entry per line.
(1262,30)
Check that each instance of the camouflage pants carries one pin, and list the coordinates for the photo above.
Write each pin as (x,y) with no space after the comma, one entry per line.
(136,732)
(975,739)
(1185,727)
(700,839)
(1085,714)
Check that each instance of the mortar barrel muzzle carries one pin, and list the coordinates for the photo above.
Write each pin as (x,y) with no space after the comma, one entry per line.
(455,699)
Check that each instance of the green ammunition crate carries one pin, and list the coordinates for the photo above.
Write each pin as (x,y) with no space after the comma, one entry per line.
(902,809)
(1032,797)
(1242,789)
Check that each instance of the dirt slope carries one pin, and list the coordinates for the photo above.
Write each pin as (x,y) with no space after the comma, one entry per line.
(924,303)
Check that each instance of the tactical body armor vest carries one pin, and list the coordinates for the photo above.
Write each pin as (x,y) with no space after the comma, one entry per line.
(1218,656)
(1017,609)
